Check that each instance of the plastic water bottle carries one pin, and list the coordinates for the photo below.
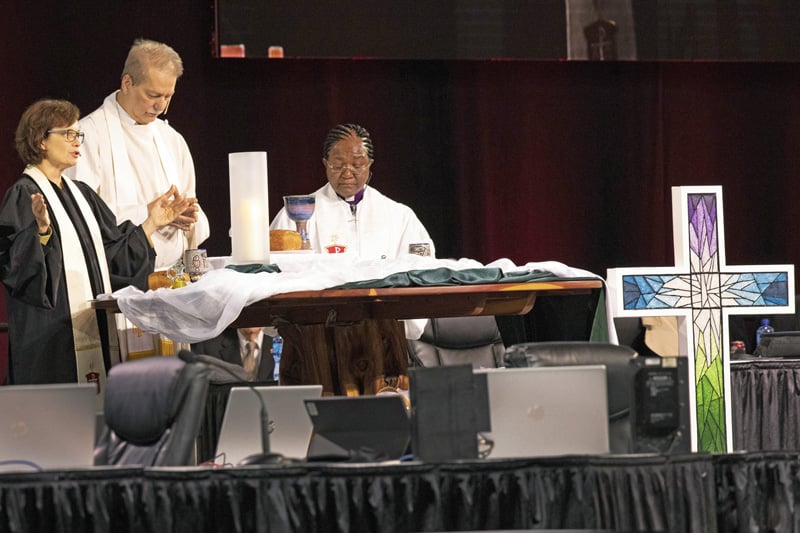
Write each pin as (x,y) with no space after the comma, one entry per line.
(762,329)
(277,350)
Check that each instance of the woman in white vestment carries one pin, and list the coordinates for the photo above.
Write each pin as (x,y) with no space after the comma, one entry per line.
(352,217)
(60,247)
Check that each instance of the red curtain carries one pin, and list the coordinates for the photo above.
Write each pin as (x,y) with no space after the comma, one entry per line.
(547,160)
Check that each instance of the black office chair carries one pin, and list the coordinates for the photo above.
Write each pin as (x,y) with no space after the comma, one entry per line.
(153,409)
(619,376)
(473,340)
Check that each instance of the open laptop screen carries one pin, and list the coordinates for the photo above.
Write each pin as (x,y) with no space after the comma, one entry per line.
(290,427)
(47,426)
(547,411)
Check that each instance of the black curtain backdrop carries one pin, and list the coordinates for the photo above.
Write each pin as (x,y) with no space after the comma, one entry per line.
(530,160)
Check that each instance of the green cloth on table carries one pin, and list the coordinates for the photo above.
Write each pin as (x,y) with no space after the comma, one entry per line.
(447,276)
(599,331)
(474,276)
(255,268)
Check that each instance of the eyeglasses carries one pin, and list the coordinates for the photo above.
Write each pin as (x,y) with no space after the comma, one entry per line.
(355,168)
(69,135)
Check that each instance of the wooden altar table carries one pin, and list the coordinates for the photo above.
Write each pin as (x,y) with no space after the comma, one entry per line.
(324,306)
(351,305)
(361,323)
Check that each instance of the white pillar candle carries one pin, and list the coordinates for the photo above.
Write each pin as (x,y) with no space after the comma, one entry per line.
(249,207)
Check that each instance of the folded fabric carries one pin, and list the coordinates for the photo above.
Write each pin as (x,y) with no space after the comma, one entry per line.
(447,276)
(254,268)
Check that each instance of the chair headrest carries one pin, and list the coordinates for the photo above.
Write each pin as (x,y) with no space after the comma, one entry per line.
(143,396)
(462,332)
(616,358)
(221,372)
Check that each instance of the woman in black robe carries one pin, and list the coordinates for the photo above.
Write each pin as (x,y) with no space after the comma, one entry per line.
(59,241)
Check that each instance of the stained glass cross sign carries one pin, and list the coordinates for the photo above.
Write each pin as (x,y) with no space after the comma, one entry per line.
(703,292)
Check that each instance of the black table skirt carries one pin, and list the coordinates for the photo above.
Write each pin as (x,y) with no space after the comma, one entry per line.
(765,405)
(758,492)
(644,493)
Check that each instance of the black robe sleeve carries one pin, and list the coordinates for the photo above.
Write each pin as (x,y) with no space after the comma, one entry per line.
(130,257)
(31,272)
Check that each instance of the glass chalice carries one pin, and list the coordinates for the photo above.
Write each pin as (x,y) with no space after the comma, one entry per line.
(300,207)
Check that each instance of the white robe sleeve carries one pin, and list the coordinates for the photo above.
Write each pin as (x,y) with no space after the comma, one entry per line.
(202,228)
(89,168)
(413,233)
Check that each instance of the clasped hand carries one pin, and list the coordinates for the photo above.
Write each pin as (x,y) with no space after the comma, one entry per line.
(173,209)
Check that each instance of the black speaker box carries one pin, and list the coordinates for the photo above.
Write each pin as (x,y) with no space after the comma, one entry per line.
(660,405)
(449,406)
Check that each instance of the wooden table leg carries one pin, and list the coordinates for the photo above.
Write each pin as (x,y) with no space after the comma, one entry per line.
(346,359)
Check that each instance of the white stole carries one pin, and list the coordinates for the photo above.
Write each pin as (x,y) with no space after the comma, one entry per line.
(125,180)
(85,330)
(134,342)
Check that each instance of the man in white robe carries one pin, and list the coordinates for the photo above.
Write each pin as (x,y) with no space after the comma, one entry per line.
(130,156)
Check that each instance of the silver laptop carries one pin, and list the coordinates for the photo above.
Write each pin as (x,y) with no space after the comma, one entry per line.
(547,411)
(290,426)
(47,426)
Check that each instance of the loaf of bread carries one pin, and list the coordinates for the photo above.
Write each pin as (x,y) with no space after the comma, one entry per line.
(281,240)
(160,279)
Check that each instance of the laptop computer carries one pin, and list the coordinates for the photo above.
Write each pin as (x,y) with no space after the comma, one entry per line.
(47,426)
(361,428)
(547,411)
(290,427)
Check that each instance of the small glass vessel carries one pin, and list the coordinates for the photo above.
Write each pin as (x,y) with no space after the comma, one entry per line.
(300,207)
(177,274)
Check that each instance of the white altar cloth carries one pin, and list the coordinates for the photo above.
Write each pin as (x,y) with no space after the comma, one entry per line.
(202,310)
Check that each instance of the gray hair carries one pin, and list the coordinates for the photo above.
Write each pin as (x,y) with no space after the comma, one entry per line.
(146,54)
